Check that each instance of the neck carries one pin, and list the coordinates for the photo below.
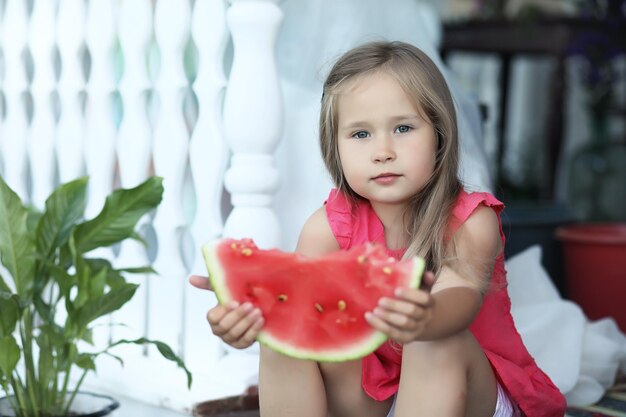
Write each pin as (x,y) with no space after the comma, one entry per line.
(391,216)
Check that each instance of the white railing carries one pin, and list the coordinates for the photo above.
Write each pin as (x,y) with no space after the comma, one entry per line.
(122,90)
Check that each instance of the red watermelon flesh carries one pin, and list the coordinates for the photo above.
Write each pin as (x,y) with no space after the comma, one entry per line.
(313,307)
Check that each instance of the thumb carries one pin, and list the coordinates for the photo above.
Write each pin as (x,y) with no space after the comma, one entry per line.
(200,282)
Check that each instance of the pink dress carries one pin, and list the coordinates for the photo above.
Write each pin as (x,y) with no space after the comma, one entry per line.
(493,328)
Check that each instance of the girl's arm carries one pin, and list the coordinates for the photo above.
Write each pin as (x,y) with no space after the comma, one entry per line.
(456,296)
(316,237)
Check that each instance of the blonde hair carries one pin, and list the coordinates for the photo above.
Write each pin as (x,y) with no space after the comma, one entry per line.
(429,210)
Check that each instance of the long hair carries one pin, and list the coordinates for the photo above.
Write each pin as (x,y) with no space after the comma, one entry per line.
(429,210)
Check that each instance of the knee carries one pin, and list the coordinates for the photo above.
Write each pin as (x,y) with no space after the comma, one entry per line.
(455,349)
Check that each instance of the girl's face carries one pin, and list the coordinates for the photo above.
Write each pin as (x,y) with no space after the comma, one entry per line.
(386,147)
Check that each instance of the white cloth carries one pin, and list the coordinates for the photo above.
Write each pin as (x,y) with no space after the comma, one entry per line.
(581,357)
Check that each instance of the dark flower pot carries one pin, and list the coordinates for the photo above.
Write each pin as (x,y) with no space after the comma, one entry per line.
(85,404)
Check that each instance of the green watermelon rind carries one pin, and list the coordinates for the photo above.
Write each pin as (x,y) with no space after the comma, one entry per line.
(216,273)
(361,348)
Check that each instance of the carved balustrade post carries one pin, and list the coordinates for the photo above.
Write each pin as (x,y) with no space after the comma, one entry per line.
(253,121)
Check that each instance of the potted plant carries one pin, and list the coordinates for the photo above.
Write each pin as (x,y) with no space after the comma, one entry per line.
(594,247)
(52,291)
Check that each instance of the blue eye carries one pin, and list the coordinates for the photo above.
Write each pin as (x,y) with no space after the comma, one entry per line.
(361,134)
(403,129)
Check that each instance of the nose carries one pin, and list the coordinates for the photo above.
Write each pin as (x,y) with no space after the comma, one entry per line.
(383,150)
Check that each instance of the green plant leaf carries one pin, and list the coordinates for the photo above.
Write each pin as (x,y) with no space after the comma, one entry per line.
(64,280)
(32,218)
(88,336)
(17,249)
(85,361)
(3,286)
(139,270)
(55,335)
(46,369)
(45,310)
(9,354)
(64,208)
(9,313)
(97,283)
(90,285)
(83,274)
(165,351)
(107,303)
(136,236)
(114,279)
(67,355)
(122,209)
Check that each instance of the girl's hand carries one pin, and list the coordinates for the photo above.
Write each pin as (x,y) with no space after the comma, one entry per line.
(405,317)
(201,282)
(237,325)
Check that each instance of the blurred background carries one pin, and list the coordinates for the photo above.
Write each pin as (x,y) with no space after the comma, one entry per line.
(551,79)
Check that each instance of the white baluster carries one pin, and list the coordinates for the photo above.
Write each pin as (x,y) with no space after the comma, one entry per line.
(208,156)
(42,135)
(100,127)
(171,143)
(16,127)
(70,131)
(253,121)
(133,151)
(100,131)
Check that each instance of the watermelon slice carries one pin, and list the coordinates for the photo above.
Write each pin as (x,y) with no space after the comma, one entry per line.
(313,307)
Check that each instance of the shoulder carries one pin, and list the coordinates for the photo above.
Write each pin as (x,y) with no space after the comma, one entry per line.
(479,234)
(467,202)
(475,245)
(316,237)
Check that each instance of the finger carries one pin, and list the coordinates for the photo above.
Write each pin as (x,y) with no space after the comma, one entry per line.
(384,327)
(420,297)
(250,335)
(394,319)
(407,308)
(217,313)
(201,282)
(234,314)
(428,280)
(394,333)
(241,326)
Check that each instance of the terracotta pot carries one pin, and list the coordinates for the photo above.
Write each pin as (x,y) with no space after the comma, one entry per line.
(595,268)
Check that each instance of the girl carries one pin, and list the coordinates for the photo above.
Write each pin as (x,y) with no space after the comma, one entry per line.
(388,136)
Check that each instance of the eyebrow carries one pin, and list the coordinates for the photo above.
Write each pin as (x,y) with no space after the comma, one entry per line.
(360,123)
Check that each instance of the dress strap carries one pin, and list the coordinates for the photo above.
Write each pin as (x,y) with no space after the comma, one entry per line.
(339,215)
(353,223)
(468,202)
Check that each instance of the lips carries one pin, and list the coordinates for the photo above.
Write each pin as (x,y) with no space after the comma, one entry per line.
(385,175)
(386,178)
